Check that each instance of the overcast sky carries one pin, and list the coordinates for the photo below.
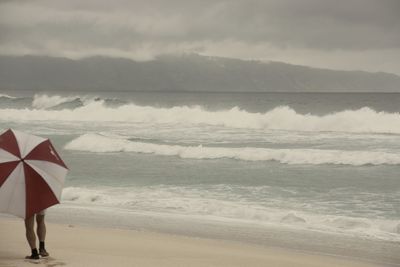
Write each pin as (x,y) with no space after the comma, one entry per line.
(346,34)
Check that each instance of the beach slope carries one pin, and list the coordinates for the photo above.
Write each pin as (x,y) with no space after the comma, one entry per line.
(71,245)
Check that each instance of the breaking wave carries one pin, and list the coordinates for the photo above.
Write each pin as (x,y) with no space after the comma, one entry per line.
(45,101)
(364,120)
(101,144)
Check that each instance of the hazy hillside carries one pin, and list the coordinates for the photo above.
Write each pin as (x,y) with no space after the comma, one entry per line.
(183,73)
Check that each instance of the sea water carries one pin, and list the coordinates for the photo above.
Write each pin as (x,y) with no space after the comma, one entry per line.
(302,164)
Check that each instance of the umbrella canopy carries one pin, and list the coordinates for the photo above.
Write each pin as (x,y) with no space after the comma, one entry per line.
(31,174)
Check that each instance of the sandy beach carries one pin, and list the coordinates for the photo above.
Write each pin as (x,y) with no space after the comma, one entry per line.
(72,245)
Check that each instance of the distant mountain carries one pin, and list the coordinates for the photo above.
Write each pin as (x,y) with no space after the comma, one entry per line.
(183,73)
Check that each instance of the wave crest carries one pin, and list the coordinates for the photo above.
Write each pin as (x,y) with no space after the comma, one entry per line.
(7,96)
(364,120)
(45,101)
(100,144)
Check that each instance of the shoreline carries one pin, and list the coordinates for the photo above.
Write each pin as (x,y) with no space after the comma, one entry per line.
(357,248)
(75,245)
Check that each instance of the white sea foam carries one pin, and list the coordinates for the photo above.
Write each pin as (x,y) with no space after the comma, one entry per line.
(197,202)
(364,120)
(99,143)
(7,96)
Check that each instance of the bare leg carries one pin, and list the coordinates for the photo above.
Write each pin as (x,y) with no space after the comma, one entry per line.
(30,232)
(41,227)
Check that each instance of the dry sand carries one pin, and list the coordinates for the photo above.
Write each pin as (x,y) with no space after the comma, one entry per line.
(88,246)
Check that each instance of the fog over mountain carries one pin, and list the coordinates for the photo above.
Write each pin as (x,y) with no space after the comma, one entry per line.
(183,73)
(345,35)
(218,45)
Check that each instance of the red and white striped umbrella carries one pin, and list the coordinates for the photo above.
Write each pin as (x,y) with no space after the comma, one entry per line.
(31,174)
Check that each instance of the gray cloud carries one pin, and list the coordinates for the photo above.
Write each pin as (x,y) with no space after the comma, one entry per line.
(142,29)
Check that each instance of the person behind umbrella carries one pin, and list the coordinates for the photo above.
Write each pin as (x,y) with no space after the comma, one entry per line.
(32,176)
(41,234)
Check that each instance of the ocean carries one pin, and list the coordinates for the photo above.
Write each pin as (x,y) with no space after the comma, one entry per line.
(300,170)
